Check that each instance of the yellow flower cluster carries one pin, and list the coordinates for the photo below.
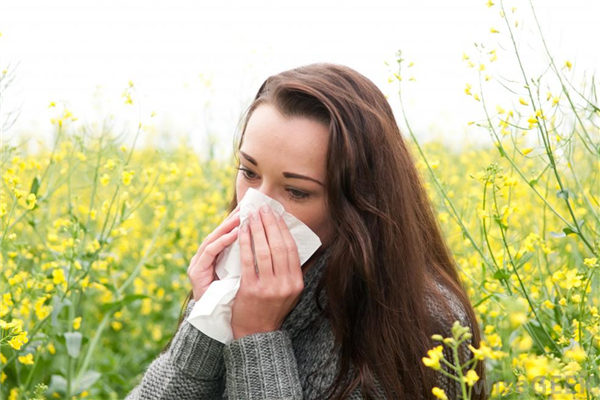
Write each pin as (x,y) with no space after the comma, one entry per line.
(84,266)
(14,334)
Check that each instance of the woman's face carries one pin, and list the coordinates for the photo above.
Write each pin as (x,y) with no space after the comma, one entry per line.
(285,159)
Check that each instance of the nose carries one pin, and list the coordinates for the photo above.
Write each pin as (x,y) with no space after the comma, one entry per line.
(267,190)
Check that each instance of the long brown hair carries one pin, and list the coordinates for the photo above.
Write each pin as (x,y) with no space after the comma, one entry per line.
(387,249)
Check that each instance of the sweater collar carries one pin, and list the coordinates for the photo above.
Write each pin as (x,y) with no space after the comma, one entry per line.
(306,309)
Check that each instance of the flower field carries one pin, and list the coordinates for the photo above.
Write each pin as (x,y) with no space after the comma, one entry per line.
(96,236)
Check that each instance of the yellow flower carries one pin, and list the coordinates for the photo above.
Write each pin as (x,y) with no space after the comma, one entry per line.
(568,64)
(439,393)
(517,318)
(104,179)
(562,301)
(27,359)
(126,176)
(576,353)
(77,323)
(41,310)
(18,341)
(523,101)
(110,164)
(527,151)
(435,355)
(468,89)
(471,377)
(58,276)
(494,30)
(548,304)
(590,262)
(490,3)
(30,201)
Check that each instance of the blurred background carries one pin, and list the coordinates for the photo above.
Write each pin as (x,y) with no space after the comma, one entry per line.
(195,65)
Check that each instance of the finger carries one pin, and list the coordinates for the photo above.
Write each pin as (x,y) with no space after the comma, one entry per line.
(291,247)
(210,253)
(261,247)
(277,246)
(248,273)
(226,226)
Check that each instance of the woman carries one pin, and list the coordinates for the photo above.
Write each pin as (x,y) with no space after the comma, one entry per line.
(356,319)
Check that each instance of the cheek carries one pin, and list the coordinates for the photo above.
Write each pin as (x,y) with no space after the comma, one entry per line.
(317,219)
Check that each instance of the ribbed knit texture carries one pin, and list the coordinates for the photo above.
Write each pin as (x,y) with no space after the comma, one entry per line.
(298,361)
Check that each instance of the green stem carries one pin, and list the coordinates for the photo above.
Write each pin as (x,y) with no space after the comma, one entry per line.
(521,284)
(120,291)
(544,134)
(447,202)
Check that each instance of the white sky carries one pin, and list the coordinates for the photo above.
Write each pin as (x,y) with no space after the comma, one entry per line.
(84,53)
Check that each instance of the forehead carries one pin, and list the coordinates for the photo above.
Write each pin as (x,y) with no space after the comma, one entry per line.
(296,144)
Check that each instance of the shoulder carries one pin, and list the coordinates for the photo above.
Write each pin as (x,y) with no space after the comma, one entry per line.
(445,307)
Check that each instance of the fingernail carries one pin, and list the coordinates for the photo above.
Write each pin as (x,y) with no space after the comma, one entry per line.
(265,209)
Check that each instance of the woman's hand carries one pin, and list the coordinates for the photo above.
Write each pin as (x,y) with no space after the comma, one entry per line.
(201,271)
(263,301)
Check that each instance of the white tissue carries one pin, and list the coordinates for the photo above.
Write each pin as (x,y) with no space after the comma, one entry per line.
(212,312)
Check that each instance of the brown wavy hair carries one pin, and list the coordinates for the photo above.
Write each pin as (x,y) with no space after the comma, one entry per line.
(387,249)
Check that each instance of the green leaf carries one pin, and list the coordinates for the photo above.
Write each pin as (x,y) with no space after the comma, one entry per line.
(35,185)
(87,380)
(57,384)
(538,335)
(73,342)
(57,306)
(568,231)
(501,275)
(501,150)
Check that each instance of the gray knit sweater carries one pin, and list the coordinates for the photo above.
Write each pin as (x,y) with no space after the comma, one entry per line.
(298,361)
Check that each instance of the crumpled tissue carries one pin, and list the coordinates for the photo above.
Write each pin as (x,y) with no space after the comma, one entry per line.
(211,314)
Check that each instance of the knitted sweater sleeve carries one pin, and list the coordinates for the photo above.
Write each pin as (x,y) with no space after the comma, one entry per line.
(191,368)
(262,366)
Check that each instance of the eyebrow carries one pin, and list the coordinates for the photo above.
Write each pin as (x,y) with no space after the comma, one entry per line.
(285,173)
